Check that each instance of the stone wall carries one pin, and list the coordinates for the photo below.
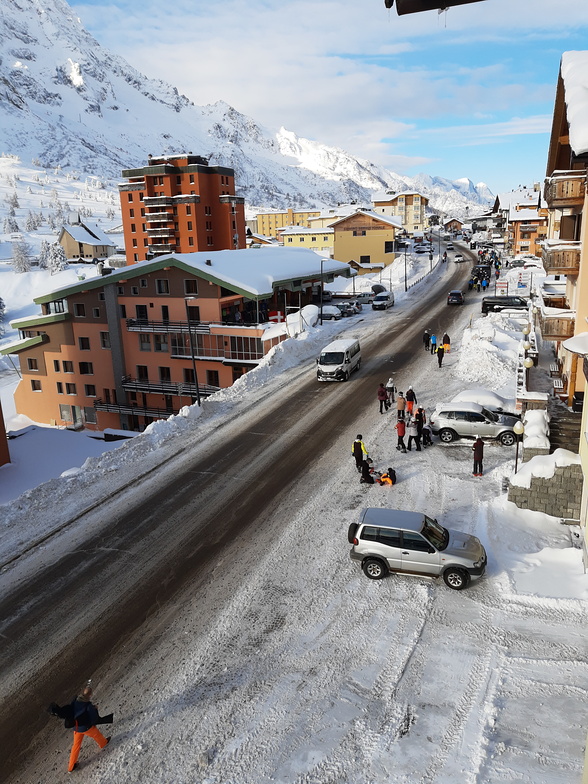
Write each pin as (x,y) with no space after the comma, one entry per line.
(559,496)
(529,453)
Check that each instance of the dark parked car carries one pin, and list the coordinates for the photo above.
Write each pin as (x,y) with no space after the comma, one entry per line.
(504,302)
(455,297)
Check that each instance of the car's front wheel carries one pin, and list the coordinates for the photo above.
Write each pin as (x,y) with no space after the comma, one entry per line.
(447,436)
(457,579)
(507,439)
(374,569)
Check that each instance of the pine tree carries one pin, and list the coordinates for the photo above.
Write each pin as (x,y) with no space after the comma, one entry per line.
(30,223)
(21,256)
(44,252)
(14,201)
(10,225)
(57,260)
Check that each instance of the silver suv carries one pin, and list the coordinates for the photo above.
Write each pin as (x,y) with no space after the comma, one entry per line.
(391,540)
(468,420)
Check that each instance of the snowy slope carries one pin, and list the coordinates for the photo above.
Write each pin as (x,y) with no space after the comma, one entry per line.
(67,101)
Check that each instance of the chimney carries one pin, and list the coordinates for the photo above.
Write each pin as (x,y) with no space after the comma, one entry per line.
(209,262)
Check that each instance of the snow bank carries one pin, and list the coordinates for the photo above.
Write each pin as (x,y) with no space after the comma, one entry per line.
(489,352)
(544,466)
(536,424)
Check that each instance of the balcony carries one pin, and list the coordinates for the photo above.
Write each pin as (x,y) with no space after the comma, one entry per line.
(562,258)
(557,326)
(159,217)
(166,387)
(162,247)
(166,327)
(158,201)
(145,411)
(566,189)
(169,232)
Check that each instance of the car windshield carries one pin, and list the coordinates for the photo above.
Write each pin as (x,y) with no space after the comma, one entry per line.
(435,533)
(331,358)
(381,298)
(490,415)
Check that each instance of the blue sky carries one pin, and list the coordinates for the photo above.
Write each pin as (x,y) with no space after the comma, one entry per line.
(467,93)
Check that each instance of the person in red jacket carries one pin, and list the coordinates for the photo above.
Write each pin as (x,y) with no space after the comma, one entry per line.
(383,398)
(400,428)
(478,449)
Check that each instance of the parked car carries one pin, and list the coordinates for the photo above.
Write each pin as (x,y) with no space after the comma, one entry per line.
(489,399)
(347,309)
(365,297)
(502,302)
(467,420)
(330,312)
(356,303)
(458,257)
(420,249)
(393,540)
(455,297)
(383,300)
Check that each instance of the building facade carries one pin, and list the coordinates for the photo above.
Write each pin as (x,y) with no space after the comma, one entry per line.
(122,350)
(86,241)
(180,204)
(366,238)
(268,223)
(409,206)
(321,240)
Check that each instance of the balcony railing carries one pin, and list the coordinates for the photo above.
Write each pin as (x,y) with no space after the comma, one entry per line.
(562,260)
(565,189)
(169,232)
(556,327)
(159,217)
(166,327)
(162,247)
(166,387)
(146,411)
(158,201)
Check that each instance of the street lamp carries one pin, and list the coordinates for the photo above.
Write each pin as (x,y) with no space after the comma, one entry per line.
(322,286)
(405,283)
(186,300)
(519,429)
(528,363)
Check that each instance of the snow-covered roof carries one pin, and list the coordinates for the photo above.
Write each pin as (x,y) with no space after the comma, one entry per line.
(527,213)
(88,233)
(391,220)
(574,72)
(383,196)
(304,230)
(253,271)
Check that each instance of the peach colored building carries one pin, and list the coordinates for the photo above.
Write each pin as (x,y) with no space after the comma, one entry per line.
(121,350)
(180,204)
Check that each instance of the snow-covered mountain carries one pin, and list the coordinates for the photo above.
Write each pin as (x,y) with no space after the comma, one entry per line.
(66,101)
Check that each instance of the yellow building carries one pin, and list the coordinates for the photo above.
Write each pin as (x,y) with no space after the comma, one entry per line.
(313,239)
(268,223)
(86,241)
(565,251)
(409,206)
(365,238)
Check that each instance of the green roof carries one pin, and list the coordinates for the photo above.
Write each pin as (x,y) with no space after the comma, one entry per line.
(39,321)
(21,345)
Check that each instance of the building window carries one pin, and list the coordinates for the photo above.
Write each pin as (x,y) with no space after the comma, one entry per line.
(59,386)
(207,211)
(90,390)
(68,366)
(131,213)
(165,374)
(364,259)
(191,286)
(120,290)
(56,366)
(142,373)
(36,385)
(86,369)
(65,413)
(190,241)
(193,314)
(32,364)
(84,344)
(70,389)
(123,311)
(96,312)
(143,283)
(189,376)
(105,339)
(135,290)
(135,243)
(79,310)
(212,378)
(101,296)
(189,225)
(129,198)
(135,257)
(142,212)
(90,415)
(191,179)
(388,247)
(359,232)
(325,239)
(145,242)
(144,342)
(162,286)
(141,196)
(188,209)
(209,241)
(178,179)
(160,343)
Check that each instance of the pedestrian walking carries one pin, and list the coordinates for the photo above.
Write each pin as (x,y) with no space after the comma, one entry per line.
(85,715)
(478,449)
(411,399)
(426,339)
(400,405)
(446,343)
(440,354)
(367,470)
(359,451)
(400,428)
(484,284)
(413,435)
(383,398)
(390,389)
(420,420)
(433,343)
(477,285)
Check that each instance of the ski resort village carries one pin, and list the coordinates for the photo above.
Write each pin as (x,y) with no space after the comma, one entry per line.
(293,447)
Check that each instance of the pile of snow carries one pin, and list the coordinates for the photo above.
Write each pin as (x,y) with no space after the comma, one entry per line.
(536,424)
(489,352)
(544,466)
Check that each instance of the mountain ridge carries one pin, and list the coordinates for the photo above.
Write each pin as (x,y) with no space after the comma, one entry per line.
(71,103)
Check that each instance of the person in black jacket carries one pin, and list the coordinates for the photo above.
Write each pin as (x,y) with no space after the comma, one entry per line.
(86,717)
(366,472)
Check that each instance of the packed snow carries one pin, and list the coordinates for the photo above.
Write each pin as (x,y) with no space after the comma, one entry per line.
(351,681)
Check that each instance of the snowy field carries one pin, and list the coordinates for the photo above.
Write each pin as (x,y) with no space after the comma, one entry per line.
(294,668)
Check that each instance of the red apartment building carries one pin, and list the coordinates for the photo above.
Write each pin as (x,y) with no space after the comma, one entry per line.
(180,204)
(121,350)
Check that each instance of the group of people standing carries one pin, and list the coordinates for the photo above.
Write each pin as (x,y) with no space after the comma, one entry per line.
(439,347)
(411,422)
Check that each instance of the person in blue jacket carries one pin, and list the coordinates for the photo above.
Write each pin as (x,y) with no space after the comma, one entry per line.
(85,715)
(433,343)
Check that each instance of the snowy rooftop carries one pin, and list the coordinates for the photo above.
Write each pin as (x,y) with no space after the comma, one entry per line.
(574,72)
(304,230)
(392,220)
(89,234)
(252,270)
